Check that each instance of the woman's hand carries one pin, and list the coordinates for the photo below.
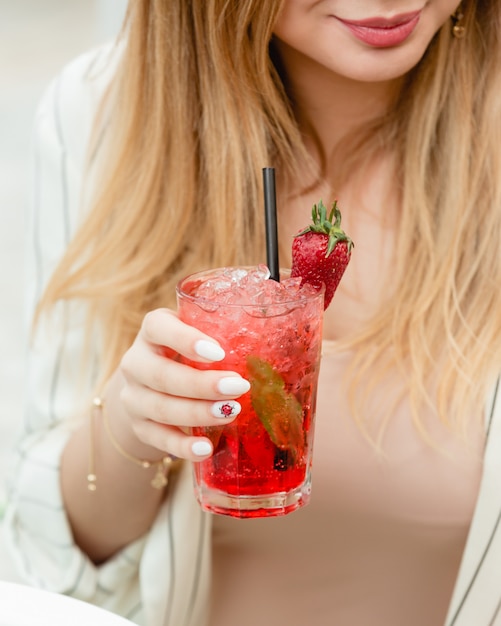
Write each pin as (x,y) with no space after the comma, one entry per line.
(151,401)
(162,398)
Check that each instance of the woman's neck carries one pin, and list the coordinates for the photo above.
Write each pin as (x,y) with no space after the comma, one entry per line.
(329,106)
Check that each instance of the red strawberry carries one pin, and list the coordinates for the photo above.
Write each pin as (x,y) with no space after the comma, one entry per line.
(321,252)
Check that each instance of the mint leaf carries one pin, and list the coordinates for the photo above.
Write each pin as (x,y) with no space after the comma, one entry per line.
(278,410)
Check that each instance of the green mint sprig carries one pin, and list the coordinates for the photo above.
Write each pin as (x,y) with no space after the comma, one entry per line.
(278,410)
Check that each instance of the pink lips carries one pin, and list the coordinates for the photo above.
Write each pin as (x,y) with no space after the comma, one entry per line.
(381,32)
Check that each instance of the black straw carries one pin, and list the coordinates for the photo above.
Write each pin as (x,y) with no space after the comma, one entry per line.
(270,220)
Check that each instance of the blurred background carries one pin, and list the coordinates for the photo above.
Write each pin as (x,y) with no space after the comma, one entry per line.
(37,37)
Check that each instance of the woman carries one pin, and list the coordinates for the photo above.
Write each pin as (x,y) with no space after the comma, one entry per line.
(393,108)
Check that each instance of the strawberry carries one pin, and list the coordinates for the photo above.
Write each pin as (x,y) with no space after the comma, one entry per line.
(321,252)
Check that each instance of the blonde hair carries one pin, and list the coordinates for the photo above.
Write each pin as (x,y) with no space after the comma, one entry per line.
(199,108)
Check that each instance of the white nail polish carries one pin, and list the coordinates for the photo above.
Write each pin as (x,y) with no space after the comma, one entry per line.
(201,448)
(233,386)
(225,409)
(209,350)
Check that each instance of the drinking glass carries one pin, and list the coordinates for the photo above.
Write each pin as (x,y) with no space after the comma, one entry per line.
(271,333)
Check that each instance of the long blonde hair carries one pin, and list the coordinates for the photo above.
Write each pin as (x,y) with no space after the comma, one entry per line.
(199,108)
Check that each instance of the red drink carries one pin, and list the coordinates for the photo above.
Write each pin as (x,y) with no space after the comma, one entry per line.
(271,333)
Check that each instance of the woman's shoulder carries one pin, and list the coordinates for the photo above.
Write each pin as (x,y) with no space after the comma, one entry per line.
(71,100)
(84,78)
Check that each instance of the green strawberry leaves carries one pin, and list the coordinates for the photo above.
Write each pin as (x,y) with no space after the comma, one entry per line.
(278,410)
(330,226)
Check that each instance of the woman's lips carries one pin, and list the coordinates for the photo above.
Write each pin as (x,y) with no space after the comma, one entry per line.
(381,32)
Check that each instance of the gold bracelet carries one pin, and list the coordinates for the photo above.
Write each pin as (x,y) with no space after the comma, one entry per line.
(163,466)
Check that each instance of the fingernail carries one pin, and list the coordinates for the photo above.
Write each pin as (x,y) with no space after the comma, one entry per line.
(225,409)
(233,386)
(209,350)
(201,448)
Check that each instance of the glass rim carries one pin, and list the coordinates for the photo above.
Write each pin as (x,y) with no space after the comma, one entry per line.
(303,298)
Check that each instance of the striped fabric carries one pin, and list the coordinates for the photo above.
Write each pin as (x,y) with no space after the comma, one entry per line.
(477,595)
(162,579)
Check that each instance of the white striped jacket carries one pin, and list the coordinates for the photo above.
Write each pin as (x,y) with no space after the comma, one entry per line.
(162,579)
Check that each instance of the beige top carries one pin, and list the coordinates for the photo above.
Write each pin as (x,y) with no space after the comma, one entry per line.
(380,542)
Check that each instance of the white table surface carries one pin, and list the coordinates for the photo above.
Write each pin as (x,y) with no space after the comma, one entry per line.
(21,605)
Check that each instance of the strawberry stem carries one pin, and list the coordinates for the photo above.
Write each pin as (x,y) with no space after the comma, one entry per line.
(330,226)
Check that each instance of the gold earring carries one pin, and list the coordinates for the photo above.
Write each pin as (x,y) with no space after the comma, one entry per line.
(458,29)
